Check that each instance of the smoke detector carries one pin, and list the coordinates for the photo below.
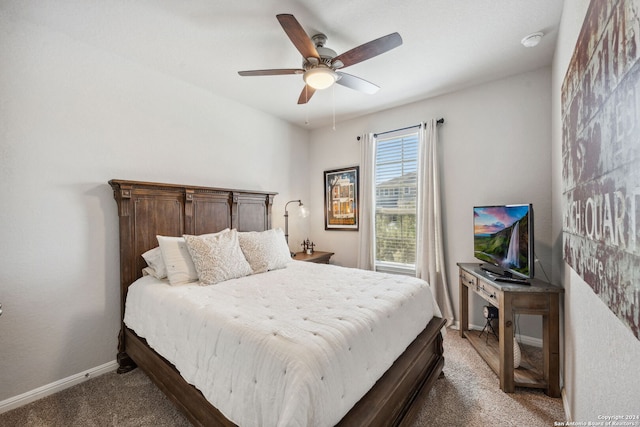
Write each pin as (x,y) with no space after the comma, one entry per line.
(532,39)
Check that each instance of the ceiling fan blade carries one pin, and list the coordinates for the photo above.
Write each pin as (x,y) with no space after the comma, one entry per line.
(369,50)
(356,83)
(298,36)
(306,94)
(274,72)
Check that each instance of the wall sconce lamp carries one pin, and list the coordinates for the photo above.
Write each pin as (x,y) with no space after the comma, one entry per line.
(304,212)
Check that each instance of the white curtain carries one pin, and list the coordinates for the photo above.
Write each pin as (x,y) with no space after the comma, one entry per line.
(366,244)
(430,265)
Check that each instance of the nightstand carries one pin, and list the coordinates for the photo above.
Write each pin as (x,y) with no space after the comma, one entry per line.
(317,256)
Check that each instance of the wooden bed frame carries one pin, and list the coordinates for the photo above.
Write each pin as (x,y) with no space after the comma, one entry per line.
(148,209)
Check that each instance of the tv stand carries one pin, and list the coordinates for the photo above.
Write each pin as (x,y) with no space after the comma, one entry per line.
(539,298)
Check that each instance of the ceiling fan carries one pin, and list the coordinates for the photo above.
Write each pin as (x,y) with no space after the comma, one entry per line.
(320,64)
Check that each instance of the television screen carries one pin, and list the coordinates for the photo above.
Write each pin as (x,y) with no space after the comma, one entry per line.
(503,237)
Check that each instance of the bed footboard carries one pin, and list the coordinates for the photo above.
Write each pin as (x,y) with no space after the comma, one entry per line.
(393,401)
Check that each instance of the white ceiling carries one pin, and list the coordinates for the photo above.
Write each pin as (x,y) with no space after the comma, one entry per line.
(447,44)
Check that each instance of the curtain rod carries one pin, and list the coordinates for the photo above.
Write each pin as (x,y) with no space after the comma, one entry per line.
(439,121)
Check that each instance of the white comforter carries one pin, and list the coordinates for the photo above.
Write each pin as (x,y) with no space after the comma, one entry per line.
(292,347)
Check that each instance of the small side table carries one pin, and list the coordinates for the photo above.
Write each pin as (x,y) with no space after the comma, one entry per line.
(317,256)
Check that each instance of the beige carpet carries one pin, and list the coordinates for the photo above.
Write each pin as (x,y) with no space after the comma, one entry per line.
(468,395)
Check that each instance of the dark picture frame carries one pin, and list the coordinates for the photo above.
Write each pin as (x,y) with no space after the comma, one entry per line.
(341,199)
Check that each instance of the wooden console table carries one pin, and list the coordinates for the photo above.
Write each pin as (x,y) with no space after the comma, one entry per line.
(538,298)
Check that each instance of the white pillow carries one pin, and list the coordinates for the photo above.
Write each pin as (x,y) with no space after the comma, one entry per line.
(265,250)
(177,259)
(217,257)
(180,268)
(153,258)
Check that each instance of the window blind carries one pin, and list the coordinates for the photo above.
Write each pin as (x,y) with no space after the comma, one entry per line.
(396,167)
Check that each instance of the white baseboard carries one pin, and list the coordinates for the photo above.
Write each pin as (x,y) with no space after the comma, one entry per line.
(565,405)
(49,389)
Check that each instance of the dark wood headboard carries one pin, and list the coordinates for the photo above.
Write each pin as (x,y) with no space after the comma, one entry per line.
(148,209)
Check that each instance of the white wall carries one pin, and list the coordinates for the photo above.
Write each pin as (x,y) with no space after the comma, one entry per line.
(494,148)
(71,118)
(601,371)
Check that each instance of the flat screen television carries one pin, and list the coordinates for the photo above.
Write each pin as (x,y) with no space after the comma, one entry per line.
(503,239)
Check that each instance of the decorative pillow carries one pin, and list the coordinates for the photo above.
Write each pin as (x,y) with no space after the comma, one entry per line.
(217,257)
(180,268)
(177,259)
(153,258)
(265,250)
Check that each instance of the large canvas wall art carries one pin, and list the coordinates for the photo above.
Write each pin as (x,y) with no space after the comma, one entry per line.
(601,157)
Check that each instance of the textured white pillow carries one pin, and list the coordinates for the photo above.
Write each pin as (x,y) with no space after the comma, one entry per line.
(217,257)
(177,259)
(180,268)
(265,250)
(153,258)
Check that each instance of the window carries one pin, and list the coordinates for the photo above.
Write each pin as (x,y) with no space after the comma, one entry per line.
(396,167)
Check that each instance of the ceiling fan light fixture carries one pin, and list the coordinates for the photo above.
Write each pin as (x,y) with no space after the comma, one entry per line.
(320,78)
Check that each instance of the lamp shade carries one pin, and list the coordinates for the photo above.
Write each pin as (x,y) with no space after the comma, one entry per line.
(320,78)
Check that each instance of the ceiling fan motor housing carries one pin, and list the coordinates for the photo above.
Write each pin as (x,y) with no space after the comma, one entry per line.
(326,54)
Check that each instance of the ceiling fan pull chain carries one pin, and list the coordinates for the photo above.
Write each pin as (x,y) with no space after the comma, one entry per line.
(306,105)
(333,100)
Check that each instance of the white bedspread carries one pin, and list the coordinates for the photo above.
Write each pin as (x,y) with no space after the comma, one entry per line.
(292,347)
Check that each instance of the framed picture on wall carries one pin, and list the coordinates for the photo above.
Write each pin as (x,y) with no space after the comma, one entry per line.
(341,199)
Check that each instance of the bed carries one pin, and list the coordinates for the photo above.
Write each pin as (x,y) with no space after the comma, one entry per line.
(146,210)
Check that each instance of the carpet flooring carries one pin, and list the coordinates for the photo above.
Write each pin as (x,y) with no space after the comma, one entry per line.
(468,395)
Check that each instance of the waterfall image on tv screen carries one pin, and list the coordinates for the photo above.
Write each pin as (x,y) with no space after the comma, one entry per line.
(502,237)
